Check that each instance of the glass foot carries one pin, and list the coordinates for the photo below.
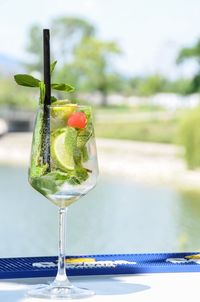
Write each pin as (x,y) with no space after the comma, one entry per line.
(55,291)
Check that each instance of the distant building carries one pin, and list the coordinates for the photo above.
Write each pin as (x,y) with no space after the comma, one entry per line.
(172,101)
(169,101)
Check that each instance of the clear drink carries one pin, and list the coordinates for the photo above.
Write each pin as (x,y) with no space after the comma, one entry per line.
(73,165)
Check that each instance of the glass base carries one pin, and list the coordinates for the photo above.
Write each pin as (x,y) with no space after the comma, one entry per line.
(54,291)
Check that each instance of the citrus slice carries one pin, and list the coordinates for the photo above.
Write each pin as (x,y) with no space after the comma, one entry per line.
(62,109)
(62,149)
(61,102)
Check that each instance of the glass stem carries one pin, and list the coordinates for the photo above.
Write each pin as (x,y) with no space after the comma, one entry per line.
(61,277)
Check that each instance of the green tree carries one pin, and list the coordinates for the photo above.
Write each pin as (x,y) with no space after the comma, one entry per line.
(84,60)
(134,84)
(66,33)
(14,97)
(34,48)
(191,53)
(157,83)
(149,85)
(180,86)
(152,85)
(92,61)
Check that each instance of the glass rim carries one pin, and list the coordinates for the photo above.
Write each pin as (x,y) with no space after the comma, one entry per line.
(64,105)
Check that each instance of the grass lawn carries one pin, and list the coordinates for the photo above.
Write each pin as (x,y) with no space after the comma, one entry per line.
(147,129)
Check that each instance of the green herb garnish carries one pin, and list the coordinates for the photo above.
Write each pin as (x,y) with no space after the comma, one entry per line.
(30,81)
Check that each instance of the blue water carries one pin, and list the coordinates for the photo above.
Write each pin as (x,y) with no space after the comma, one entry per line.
(116,217)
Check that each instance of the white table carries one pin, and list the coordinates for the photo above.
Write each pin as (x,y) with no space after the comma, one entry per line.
(176,287)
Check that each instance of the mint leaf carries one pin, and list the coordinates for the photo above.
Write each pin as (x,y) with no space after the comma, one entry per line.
(77,156)
(83,137)
(84,153)
(49,183)
(53,99)
(26,80)
(37,169)
(52,66)
(42,92)
(62,87)
(77,176)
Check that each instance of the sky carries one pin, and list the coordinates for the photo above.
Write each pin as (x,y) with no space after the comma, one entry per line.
(149,32)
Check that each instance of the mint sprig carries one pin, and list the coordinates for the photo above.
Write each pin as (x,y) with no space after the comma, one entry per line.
(50,183)
(30,81)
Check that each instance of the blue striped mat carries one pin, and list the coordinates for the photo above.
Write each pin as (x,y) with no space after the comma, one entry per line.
(100,265)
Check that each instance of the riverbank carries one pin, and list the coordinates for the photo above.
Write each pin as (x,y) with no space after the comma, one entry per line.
(149,163)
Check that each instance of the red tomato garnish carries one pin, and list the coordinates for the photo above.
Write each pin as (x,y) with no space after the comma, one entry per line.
(77,120)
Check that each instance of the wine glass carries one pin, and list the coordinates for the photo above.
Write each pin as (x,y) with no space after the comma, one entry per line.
(63,168)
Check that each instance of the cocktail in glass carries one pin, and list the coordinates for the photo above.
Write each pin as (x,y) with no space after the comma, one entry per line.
(63,168)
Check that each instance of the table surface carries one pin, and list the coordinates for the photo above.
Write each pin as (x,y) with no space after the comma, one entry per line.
(137,288)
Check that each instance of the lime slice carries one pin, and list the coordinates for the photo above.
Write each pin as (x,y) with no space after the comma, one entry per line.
(61,102)
(62,109)
(62,149)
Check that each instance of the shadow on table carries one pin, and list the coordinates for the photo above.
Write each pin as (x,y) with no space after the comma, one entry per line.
(109,285)
(12,296)
(13,291)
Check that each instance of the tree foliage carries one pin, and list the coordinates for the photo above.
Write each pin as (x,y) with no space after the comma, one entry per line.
(151,85)
(191,53)
(34,48)
(157,83)
(67,33)
(92,60)
(14,97)
(189,137)
(187,53)
(86,61)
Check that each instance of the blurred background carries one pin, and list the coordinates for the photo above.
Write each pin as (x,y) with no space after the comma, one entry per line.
(138,64)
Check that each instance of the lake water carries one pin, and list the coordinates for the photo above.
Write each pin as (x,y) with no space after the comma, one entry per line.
(116,217)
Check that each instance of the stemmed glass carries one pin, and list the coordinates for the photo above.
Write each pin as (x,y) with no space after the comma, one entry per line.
(70,172)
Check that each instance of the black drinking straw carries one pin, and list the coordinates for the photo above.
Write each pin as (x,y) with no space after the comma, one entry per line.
(47,99)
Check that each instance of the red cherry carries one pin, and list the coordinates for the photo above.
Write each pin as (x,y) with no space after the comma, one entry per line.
(77,120)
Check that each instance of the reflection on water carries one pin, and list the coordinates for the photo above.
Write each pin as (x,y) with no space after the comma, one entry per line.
(116,217)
